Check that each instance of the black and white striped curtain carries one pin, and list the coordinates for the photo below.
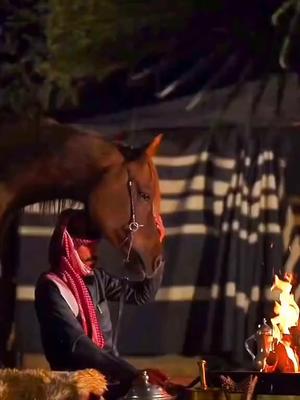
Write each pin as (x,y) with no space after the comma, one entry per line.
(223,206)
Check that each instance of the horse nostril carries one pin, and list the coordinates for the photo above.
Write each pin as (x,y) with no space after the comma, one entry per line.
(159,261)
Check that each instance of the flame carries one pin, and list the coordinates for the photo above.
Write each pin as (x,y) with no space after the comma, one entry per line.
(286,316)
(286,310)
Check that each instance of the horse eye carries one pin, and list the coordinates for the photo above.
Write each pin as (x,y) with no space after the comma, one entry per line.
(144,196)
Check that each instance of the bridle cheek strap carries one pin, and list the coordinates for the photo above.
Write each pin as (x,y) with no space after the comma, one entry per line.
(134,226)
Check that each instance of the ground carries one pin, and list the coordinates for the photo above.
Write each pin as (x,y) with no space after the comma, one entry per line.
(178,368)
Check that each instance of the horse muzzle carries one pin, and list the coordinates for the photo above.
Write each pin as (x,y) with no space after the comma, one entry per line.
(150,267)
(140,268)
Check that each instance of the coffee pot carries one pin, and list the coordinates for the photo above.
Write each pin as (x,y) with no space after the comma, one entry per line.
(142,389)
(263,340)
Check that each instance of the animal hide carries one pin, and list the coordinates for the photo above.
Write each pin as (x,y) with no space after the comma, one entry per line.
(32,384)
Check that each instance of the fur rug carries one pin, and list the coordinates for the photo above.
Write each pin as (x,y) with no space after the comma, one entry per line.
(38,384)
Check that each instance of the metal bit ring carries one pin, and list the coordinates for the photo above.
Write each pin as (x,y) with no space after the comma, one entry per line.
(134,226)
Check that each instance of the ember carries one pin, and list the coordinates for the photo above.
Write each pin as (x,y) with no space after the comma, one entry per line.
(283,356)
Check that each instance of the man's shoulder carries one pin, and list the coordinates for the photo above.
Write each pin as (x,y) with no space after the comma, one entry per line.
(45,282)
(45,288)
(42,279)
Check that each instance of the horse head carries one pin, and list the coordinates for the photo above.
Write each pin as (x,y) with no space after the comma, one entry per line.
(124,204)
(118,185)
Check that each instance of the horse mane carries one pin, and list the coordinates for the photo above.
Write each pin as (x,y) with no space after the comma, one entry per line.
(22,144)
(56,206)
(52,207)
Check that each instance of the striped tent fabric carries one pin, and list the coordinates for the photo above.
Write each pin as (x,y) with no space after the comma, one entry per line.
(224,210)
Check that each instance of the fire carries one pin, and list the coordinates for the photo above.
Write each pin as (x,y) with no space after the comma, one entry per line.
(283,357)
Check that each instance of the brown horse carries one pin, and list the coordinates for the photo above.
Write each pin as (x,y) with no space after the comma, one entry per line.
(118,187)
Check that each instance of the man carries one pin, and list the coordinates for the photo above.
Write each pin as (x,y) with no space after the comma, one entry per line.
(71,303)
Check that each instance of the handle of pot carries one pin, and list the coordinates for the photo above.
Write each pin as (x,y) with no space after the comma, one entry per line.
(201,378)
(202,374)
(247,342)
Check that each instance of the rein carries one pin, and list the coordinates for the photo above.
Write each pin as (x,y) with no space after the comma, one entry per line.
(133,227)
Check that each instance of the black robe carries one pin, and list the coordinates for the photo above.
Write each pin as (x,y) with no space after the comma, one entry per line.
(66,346)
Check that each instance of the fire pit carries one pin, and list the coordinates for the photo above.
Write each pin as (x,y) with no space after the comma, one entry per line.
(267,383)
(275,358)
(277,350)
(277,344)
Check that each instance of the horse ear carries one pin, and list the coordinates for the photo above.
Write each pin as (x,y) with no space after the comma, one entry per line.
(153,147)
(131,153)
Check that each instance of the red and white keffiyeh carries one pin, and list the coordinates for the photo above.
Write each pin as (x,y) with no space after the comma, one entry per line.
(72,270)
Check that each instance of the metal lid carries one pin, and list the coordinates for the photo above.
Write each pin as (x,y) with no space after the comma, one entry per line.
(143,389)
(264,328)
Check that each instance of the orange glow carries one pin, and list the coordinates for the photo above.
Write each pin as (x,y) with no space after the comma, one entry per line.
(284,357)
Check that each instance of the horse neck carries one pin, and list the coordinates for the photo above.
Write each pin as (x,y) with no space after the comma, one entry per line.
(62,165)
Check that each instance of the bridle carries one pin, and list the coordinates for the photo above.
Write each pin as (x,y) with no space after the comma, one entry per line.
(132,227)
